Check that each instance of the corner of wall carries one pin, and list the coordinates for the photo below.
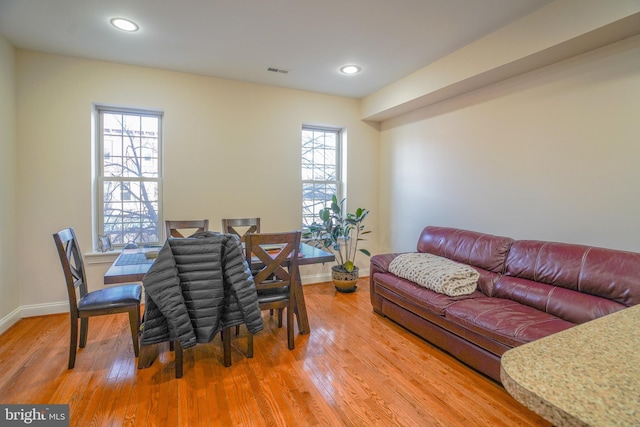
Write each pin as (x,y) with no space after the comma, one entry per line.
(572,27)
(9,288)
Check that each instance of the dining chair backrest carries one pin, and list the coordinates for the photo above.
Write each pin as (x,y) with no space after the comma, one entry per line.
(274,250)
(241,226)
(273,282)
(176,228)
(72,265)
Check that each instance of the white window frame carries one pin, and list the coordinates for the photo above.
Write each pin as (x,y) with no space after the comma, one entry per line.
(339,182)
(99,170)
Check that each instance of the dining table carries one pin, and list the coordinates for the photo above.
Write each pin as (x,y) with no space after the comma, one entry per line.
(131,265)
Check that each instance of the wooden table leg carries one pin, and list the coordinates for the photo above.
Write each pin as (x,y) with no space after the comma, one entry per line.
(148,353)
(226,346)
(301,306)
(177,348)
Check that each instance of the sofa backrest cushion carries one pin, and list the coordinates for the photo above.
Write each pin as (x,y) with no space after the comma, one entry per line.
(485,251)
(582,282)
(569,305)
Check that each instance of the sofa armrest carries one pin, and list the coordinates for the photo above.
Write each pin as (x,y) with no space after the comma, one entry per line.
(380,263)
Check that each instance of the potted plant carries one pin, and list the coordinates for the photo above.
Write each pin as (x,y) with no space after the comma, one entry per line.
(339,232)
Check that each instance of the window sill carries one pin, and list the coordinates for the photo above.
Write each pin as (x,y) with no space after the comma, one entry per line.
(101,257)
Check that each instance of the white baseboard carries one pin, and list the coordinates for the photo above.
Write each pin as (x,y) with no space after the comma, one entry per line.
(43,309)
(325,277)
(315,278)
(32,310)
(9,320)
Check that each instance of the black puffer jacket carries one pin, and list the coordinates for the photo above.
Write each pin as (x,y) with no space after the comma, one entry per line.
(196,287)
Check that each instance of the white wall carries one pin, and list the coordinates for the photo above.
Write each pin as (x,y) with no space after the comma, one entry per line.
(231,149)
(552,154)
(9,302)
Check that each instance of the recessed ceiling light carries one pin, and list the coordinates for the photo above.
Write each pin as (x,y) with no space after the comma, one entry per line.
(124,24)
(350,69)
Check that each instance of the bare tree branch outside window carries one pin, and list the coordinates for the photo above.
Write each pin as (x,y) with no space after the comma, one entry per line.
(130,176)
(320,170)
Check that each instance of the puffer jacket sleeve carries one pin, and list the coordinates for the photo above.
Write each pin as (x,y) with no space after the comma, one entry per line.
(238,275)
(168,313)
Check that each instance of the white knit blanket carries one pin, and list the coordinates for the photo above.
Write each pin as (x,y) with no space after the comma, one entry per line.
(436,273)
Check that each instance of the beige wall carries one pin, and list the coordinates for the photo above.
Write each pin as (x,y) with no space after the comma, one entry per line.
(552,154)
(9,300)
(557,31)
(231,149)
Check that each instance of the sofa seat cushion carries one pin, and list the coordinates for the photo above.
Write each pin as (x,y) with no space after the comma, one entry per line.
(505,321)
(400,290)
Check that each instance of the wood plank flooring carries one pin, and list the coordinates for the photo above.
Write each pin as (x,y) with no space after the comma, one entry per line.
(354,369)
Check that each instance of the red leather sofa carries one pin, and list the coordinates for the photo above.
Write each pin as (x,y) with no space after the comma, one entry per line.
(527,290)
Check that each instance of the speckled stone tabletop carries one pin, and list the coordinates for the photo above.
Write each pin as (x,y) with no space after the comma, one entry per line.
(588,375)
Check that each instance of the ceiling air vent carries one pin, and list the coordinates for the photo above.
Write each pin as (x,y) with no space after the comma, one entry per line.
(278,70)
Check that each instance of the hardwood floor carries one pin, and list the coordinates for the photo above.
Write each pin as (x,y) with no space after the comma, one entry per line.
(354,369)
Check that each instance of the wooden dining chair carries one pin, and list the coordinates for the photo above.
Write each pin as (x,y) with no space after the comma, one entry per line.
(174,228)
(273,281)
(84,304)
(241,226)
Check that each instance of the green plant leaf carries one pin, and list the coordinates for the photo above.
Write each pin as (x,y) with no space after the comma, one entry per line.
(339,232)
(349,266)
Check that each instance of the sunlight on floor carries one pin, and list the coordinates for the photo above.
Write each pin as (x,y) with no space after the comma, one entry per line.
(319,338)
(318,369)
(121,368)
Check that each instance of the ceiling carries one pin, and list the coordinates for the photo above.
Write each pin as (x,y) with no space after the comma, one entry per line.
(241,39)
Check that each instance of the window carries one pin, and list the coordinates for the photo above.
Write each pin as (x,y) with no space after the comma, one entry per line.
(129,175)
(321,170)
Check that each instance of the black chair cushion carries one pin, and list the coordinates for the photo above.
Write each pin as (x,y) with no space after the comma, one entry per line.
(116,296)
(273,295)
